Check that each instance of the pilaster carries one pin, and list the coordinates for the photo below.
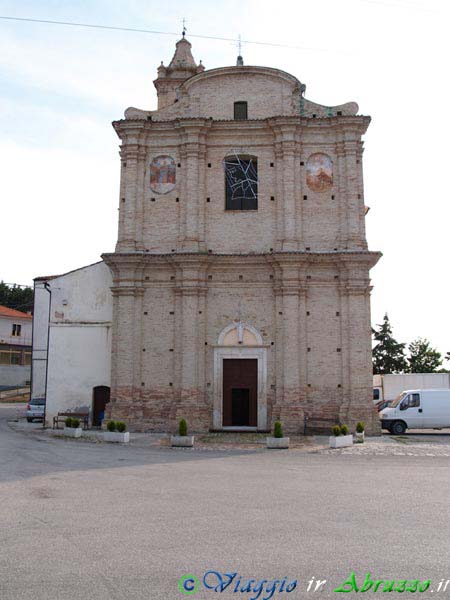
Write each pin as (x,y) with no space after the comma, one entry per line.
(127,231)
(357,402)
(286,152)
(360,184)
(351,155)
(290,300)
(190,295)
(125,363)
(141,177)
(341,194)
(193,153)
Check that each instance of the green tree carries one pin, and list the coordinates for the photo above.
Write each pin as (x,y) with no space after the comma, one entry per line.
(422,357)
(388,355)
(443,369)
(18,297)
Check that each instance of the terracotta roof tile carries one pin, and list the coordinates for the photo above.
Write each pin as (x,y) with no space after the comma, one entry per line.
(11,312)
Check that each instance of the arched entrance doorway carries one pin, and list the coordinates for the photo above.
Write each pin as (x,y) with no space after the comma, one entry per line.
(240,374)
(100,399)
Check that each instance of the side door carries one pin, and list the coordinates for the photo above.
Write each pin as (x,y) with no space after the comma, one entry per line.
(411,411)
(434,413)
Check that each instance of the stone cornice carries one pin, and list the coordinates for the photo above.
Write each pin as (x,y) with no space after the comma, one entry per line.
(136,130)
(130,131)
(243,71)
(347,260)
(127,290)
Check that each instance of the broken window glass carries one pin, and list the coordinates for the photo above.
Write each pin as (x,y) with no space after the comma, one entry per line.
(241,182)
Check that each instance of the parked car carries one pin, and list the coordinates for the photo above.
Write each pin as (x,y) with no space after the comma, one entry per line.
(36,409)
(383,404)
(417,409)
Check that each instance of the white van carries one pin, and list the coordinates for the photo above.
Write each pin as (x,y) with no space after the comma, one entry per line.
(417,409)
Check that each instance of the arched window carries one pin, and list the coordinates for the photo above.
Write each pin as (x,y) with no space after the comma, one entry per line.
(241,182)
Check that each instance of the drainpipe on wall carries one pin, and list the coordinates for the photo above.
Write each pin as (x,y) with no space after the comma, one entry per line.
(47,287)
(32,341)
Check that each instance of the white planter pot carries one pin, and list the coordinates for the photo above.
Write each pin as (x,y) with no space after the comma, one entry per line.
(74,432)
(341,441)
(182,441)
(116,436)
(359,438)
(281,443)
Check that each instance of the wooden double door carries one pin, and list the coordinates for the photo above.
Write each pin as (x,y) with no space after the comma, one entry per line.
(240,392)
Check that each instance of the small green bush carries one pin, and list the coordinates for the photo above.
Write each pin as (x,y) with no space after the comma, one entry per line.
(344,430)
(121,426)
(277,430)
(360,427)
(336,429)
(182,427)
(75,422)
(111,426)
(68,422)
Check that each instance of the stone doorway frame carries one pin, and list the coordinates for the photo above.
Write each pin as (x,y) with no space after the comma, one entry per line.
(258,352)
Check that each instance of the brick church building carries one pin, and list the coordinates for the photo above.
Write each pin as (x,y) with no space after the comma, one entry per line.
(241,290)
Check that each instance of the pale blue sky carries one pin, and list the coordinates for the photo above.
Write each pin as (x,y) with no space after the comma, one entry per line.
(60,88)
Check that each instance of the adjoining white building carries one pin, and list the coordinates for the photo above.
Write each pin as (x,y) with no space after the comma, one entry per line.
(15,347)
(72,341)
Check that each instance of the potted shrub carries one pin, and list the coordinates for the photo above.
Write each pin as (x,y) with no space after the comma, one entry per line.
(340,437)
(359,435)
(277,441)
(72,427)
(116,431)
(182,440)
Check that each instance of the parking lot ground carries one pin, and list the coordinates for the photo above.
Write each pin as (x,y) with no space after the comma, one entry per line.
(98,521)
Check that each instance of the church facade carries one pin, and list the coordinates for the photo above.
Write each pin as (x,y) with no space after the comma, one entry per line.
(241,290)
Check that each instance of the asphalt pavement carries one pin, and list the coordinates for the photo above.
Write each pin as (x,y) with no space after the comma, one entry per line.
(96,521)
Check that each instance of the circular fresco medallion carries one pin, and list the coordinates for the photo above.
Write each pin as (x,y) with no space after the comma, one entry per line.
(162,174)
(319,172)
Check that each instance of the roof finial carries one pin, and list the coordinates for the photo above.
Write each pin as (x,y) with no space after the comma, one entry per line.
(240,60)
(184,27)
